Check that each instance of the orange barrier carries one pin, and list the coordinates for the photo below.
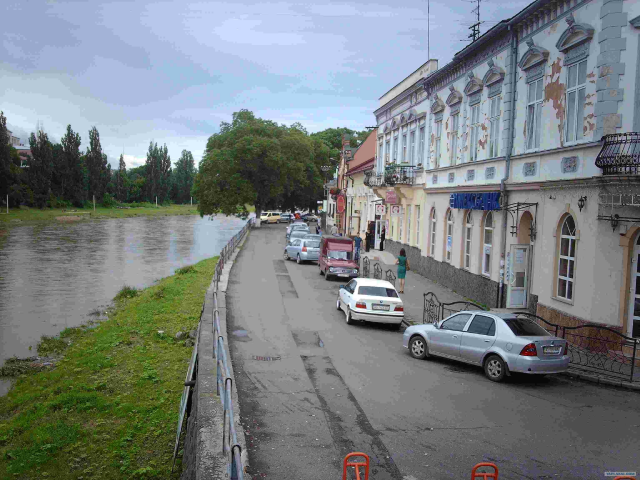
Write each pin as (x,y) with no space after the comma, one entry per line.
(356,465)
(624,478)
(484,475)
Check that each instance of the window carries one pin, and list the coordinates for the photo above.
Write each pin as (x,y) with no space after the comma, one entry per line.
(418,225)
(454,138)
(380,163)
(475,131)
(482,325)
(409,225)
(467,240)
(522,327)
(576,87)
(351,286)
(487,245)
(338,255)
(534,113)
(433,232)
(449,235)
(456,323)
(438,136)
(421,146)
(412,148)
(494,133)
(404,148)
(378,292)
(395,148)
(387,151)
(567,259)
(400,228)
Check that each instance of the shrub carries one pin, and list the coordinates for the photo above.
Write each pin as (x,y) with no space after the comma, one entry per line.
(126,292)
(108,201)
(185,270)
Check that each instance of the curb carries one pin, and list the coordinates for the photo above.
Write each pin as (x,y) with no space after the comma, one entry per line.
(608,382)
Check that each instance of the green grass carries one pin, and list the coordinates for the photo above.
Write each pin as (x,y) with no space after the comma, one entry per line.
(126,292)
(109,407)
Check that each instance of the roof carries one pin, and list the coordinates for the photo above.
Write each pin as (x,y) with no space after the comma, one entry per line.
(365,152)
(373,282)
(368,165)
(335,237)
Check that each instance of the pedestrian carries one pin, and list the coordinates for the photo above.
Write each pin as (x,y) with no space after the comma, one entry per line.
(358,241)
(403,266)
(297,216)
(318,231)
(334,230)
(382,235)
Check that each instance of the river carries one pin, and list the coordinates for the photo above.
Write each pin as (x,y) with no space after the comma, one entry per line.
(53,275)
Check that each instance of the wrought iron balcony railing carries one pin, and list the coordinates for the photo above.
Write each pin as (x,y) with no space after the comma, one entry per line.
(393,175)
(620,154)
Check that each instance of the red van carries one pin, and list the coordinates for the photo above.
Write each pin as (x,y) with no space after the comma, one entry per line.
(336,257)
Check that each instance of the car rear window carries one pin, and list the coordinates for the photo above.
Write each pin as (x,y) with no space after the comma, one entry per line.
(313,244)
(522,327)
(338,255)
(378,292)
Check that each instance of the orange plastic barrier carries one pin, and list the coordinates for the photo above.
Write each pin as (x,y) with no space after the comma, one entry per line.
(484,475)
(625,478)
(356,465)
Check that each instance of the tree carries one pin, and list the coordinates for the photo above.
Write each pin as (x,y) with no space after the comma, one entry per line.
(6,156)
(121,181)
(97,166)
(40,167)
(333,138)
(158,172)
(183,176)
(76,180)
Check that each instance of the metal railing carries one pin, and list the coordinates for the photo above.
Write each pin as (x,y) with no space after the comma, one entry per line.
(377,271)
(230,446)
(392,175)
(434,310)
(365,267)
(620,154)
(390,277)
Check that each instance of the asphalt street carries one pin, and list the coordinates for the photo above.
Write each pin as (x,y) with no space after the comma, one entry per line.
(313,389)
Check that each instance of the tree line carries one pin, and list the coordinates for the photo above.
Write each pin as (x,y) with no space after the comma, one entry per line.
(61,174)
(253,161)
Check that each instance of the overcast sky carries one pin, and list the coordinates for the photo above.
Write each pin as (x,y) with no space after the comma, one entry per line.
(172,71)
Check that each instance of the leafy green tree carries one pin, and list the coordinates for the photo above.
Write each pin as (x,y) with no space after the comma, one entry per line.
(40,167)
(98,168)
(76,181)
(183,176)
(6,155)
(333,138)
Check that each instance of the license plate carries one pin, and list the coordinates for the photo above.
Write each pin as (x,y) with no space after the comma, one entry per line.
(380,307)
(346,275)
(552,350)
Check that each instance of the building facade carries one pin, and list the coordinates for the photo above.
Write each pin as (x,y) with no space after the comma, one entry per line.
(515,168)
(361,199)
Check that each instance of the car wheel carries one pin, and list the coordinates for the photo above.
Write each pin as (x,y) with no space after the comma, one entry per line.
(494,368)
(298,261)
(286,255)
(418,348)
(348,317)
(338,304)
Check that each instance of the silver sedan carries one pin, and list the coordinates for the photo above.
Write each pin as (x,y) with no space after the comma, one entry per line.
(499,342)
(302,250)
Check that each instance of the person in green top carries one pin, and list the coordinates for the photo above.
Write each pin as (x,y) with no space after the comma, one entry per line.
(403,266)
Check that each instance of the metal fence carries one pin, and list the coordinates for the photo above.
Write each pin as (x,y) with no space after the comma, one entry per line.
(377,271)
(230,446)
(365,267)
(592,348)
(390,277)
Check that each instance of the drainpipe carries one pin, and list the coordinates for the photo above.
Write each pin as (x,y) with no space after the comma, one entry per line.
(507,167)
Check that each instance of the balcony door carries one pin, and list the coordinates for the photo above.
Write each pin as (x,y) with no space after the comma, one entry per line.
(634,297)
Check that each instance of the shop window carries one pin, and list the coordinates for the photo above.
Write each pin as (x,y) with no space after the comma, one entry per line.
(487,246)
(432,242)
(467,240)
(567,259)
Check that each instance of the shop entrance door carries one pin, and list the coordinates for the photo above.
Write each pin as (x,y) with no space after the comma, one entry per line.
(378,229)
(518,276)
(634,295)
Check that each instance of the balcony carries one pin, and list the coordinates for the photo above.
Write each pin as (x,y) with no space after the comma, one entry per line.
(620,154)
(393,175)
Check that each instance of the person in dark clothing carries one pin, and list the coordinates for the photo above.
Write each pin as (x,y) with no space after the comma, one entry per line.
(358,242)
(382,235)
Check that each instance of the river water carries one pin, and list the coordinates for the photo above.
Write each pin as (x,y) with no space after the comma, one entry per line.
(53,275)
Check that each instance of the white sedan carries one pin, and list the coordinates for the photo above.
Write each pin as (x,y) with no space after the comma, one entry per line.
(371,300)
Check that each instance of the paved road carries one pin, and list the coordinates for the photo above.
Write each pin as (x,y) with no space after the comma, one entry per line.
(313,389)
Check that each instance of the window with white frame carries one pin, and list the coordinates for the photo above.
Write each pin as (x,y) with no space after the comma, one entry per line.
(408,224)
(455,119)
(438,137)
(387,151)
(380,162)
(467,240)
(449,245)
(421,145)
(567,258)
(576,97)
(494,129)
(404,148)
(432,247)
(412,148)
(534,114)
(487,244)
(475,132)
(400,227)
(396,139)
(418,225)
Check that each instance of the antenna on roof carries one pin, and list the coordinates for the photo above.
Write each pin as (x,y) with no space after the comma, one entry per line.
(475,28)
(428,31)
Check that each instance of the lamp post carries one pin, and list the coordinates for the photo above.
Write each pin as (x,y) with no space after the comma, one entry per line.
(325,169)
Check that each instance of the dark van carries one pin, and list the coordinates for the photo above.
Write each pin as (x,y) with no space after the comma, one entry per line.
(337,257)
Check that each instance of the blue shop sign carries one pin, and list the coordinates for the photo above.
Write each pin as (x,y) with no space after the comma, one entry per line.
(475,201)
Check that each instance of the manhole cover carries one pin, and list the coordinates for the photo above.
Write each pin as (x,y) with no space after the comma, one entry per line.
(265,359)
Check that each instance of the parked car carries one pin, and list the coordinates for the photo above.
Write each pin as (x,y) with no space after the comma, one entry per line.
(313,236)
(302,250)
(285,218)
(336,257)
(501,343)
(371,300)
(297,226)
(270,217)
(296,234)
(309,217)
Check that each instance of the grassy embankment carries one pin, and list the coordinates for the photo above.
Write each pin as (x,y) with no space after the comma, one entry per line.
(109,407)
(29,215)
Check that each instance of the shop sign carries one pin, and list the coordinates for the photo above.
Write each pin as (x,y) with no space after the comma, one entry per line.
(341,204)
(380,209)
(391,197)
(475,201)
(396,210)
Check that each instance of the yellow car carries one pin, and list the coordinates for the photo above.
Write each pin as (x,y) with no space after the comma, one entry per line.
(270,217)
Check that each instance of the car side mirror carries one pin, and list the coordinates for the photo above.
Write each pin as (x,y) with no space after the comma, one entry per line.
(342,287)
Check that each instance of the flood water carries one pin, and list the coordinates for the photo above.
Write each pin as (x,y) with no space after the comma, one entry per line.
(53,275)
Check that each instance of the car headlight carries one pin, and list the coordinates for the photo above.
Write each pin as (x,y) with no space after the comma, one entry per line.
(331,269)
(355,270)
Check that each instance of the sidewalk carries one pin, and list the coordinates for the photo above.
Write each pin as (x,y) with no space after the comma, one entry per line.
(415,286)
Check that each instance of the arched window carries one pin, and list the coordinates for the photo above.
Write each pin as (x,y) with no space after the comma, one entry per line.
(433,232)
(449,235)
(487,244)
(467,240)
(567,258)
